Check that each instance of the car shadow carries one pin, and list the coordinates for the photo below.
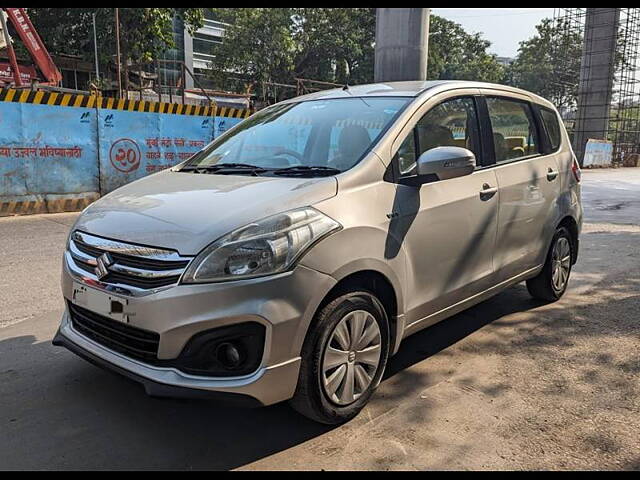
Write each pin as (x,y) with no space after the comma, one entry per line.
(444,334)
(64,413)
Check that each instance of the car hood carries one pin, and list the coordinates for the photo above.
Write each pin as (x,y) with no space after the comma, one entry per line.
(187,211)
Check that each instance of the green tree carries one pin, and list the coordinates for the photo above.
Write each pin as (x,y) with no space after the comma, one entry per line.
(335,44)
(455,54)
(258,46)
(549,63)
(281,44)
(144,32)
(265,44)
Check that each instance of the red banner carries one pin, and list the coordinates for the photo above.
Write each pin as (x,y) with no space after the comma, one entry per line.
(34,44)
(27,74)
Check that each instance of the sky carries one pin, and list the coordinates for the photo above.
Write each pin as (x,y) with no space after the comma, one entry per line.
(505,28)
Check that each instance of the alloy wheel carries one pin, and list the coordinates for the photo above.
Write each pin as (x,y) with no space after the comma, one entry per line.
(560,264)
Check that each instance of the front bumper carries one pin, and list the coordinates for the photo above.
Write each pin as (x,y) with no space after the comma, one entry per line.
(153,387)
(284,304)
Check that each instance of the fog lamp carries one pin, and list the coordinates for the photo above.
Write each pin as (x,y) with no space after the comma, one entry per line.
(229,355)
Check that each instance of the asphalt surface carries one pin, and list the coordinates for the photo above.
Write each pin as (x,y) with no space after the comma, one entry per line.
(509,384)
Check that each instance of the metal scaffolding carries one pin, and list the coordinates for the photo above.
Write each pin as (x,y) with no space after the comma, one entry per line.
(607,102)
(625,119)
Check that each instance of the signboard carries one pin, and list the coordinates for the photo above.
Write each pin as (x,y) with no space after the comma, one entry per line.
(47,149)
(135,144)
(27,74)
(597,153)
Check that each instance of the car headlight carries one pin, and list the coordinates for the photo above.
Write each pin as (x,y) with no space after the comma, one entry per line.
(268,246)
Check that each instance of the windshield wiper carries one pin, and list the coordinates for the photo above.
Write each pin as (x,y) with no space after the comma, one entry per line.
(307,170)
(225,168)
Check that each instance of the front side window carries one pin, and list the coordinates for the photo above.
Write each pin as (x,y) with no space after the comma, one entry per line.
(550,120)
(406,155)
(514,130)
(333,133)
(452,123)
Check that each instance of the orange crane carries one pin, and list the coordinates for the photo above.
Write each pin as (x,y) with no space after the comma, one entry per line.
(32,41)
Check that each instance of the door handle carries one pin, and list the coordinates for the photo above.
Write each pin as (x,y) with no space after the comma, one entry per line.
(551,174)
(487,191)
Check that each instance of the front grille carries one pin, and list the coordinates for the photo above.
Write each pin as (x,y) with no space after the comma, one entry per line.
(130,261)
(143,268)
(120,337)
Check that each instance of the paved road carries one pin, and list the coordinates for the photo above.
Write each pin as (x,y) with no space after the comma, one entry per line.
(508,384)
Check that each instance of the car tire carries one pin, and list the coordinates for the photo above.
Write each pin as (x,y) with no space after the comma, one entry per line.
(551,283)
(324,383)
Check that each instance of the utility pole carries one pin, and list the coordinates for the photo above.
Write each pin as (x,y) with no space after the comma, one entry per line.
(95,46)
(402,36)
(118,54)
(12,54)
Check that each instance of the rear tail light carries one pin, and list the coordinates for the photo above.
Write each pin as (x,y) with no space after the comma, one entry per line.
(575,168)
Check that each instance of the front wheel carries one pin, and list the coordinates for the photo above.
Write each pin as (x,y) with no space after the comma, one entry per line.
(343,358)
(551,283)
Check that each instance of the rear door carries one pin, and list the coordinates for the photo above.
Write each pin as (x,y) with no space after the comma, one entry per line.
(528,182)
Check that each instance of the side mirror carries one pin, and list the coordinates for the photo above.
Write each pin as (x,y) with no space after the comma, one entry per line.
(443,163)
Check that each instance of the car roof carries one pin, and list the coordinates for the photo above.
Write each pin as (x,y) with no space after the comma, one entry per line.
(409,89)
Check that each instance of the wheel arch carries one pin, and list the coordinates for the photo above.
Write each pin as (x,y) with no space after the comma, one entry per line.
(572,226)
(381,286)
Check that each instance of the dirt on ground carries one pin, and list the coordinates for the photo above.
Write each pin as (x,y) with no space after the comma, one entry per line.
(512,383)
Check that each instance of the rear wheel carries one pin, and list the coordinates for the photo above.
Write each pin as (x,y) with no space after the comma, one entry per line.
(343,358)
(551,283)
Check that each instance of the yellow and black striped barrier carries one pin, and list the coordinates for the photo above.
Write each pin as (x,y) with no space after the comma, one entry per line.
(232,112)
(47,204)
(154,107)
(40,97)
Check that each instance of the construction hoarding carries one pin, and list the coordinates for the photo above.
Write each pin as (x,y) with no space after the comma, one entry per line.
(60,151)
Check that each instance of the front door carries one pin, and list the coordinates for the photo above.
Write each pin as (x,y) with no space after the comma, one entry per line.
(450,225)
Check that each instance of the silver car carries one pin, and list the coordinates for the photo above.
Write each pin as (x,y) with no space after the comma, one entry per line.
(290,257)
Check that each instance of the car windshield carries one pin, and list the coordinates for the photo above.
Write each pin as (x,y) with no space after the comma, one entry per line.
(313,136)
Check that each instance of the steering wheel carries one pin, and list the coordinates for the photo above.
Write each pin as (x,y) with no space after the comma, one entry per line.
(278,155)
(291,153)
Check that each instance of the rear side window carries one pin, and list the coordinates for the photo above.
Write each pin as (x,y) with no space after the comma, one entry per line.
(550,120)
(514,131)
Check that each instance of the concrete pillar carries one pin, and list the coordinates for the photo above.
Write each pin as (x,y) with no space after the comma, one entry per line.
(188,59)
(596,77)
(402,36)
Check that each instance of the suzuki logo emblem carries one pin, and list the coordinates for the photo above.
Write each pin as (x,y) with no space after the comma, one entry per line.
(104,261)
